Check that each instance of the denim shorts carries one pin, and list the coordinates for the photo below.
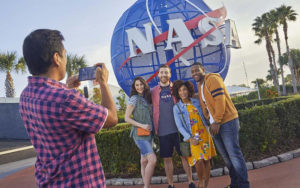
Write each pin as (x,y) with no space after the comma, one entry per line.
(145,146)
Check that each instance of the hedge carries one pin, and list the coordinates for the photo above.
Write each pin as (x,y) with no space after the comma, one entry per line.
(252,103)
(118,152)
(121,117)
(263,129)
(119,126)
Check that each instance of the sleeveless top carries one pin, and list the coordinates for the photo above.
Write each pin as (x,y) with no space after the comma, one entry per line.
(142,114)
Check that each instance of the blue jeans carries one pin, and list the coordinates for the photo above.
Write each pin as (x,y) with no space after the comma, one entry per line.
(227,143)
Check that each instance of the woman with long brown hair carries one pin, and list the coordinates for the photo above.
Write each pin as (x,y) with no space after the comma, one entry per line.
(139,105)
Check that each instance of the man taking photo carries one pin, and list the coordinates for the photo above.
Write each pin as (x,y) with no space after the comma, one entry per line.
(60,122)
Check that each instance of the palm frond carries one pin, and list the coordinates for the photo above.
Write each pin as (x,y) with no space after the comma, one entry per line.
(7,61)
(21,65)
(74,63)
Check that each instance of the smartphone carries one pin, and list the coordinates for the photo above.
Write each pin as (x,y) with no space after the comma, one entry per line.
(87,73)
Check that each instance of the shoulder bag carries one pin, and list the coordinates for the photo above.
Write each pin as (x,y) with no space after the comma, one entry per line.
(185,147)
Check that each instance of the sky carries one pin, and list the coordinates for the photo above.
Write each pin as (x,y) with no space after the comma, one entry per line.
(88,27)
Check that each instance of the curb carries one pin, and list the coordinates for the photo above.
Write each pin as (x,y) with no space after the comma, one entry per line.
(213,173)
(16,154)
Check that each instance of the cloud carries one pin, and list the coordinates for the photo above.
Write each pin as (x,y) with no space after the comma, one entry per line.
(255,56)
(101,53)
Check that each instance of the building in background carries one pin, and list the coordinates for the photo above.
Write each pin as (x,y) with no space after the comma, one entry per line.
(235,91)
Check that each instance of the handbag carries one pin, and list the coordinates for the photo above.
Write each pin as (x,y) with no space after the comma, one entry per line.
(185,147)
(142,132)
(138,117)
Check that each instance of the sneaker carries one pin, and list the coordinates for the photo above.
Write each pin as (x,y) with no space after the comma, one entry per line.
(170,186)
(192,185)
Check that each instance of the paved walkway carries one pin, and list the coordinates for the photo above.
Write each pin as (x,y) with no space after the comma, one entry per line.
(13,167)
(285,174)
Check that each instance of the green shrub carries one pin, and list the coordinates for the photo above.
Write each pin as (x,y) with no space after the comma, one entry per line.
(121,117)
(118,152)
(119,126)
(252,103)
(263,129)
(239,99)
(288,112)
(290,90)
(259,129)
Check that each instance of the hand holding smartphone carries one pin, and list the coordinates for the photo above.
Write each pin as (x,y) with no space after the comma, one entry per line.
(73,82)
(88,73)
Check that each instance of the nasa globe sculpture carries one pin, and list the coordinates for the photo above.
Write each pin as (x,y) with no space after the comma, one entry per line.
(173,32)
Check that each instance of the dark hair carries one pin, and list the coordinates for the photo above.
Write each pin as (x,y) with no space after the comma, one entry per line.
(146,94)
(178,84)
(164,66)
(39,47)
(198,63)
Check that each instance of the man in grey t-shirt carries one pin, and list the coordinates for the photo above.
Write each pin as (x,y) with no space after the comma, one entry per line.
(166,122)
(165,127)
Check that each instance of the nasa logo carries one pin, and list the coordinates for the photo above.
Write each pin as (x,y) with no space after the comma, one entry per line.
(164,36)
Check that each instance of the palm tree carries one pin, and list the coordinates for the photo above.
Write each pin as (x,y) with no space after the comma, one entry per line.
(8,63)
(274,18)
(269,75)
(274,61)
(262,30)
(260,81)
(74,63)
(288,79)
(295,56)
(285,14)
(121,101)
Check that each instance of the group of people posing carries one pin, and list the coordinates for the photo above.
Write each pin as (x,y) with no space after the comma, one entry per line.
(174,113)
(62,124)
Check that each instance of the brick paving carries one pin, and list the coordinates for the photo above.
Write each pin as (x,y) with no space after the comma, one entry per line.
(284,174)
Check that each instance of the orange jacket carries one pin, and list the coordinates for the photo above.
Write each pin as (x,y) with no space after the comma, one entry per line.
(217,99)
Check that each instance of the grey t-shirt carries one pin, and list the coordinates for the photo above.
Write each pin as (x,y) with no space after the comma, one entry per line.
(166,122)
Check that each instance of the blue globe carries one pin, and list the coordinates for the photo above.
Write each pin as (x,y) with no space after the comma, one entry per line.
(214,58)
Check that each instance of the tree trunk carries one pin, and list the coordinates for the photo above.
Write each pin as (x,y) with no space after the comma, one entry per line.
(290,61)
(268,46)
(271,66)
(291,66)
(281,66)
(9,85)
(275,69)
(273,76)
(283,81)
(297,76)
